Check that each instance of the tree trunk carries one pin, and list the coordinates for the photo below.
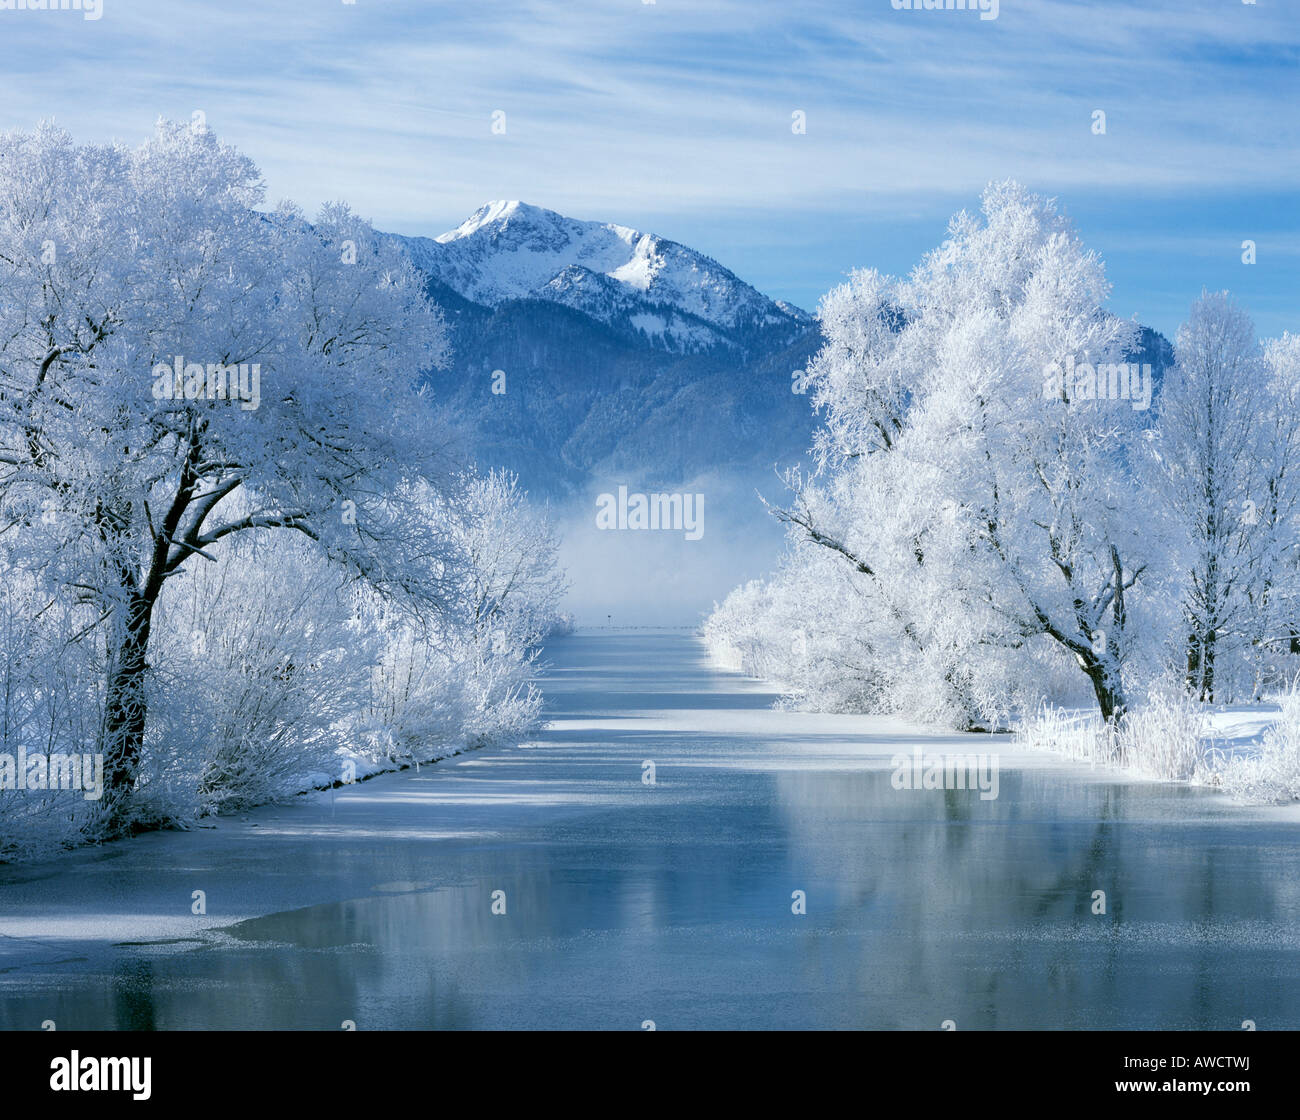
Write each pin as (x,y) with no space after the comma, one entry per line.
(1109,698)
(1207,670)
(125,705)
(1193,661)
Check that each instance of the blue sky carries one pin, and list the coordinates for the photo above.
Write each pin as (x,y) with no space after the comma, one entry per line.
(675,117)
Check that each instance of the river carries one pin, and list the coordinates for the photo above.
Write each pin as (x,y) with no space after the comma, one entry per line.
(764,872)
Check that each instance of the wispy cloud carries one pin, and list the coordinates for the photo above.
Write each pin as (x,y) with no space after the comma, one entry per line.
(681,111)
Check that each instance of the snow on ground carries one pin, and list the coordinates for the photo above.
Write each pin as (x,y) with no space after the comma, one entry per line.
(1237,729)
(1230,735)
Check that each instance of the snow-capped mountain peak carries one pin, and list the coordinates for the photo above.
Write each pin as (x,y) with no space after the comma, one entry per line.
(484,215)
(677,298)
(521,218)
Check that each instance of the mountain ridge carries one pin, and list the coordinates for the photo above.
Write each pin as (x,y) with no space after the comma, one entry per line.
(677,299)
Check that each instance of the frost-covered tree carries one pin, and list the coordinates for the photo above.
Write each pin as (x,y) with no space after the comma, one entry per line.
(258,672)
(1221,475)
(978,459)
(513,582)
(177,368)
(1274,587)
(508,587)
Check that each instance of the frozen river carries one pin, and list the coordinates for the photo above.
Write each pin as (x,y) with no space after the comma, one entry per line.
(674,903)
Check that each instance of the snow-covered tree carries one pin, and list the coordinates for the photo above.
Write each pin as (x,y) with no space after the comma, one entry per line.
(507,597)
(1274,589)
(1216,446)
(978,459)
(513,582)
(177,368)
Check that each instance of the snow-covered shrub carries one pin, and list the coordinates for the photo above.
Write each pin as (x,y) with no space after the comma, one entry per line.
(736,634)
(259,674)
(775,630)
(1163,737)
(1272,773)
(563,624)
(1079,735)
(51,702)
(511,579)
(415,689)
(511,588)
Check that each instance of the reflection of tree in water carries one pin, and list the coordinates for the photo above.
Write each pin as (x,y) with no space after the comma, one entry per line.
(984,908)
(133,996)
(922,906)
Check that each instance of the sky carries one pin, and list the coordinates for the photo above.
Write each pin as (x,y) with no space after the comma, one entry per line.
(678,117)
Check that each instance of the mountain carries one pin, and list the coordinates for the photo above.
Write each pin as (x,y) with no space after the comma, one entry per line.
(640,286)
(587,354)
(625,357)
